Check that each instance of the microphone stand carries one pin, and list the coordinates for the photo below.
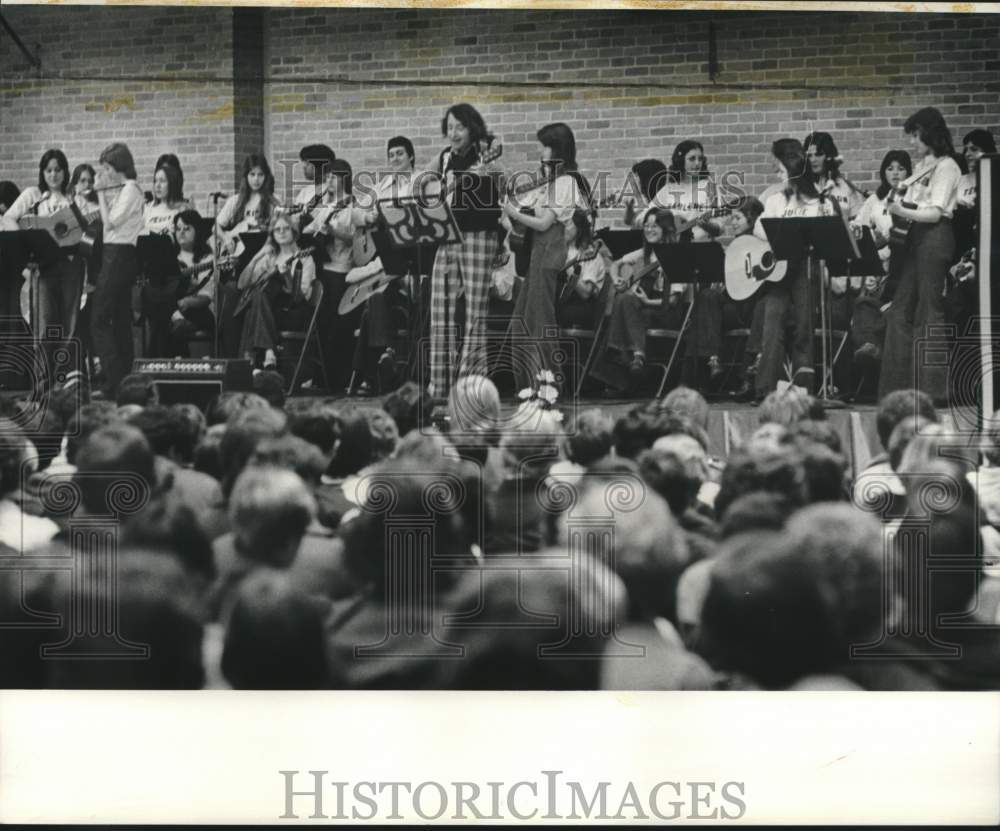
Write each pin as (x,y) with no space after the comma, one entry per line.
(218,276)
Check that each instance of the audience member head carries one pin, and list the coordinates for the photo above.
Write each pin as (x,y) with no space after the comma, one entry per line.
(896,406)
(291,453)
(162,427)
(208,453)
(787,406)
(228,404)
(762,467)
(531,452)
(90,417)
(473,407)
(191,430)
(354,448)
(244,432)
(755,511)
(274,639)
(168,525)
(825,466)
(591,437)
(270,386)
(270,509)
(409,406)
(384,433)
(903,433)
(667,474)
(685,401)
(136,389)
(641,426)
(114,460)
(317,424)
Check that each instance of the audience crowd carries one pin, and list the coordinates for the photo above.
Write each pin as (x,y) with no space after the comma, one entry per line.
(267,544)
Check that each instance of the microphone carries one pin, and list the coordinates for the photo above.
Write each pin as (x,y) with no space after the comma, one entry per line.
(216,196)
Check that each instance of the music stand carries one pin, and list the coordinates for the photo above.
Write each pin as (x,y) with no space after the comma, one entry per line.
(698,263)
(28,244)
(620,242)
(868,263)
(157,256)
(411,225)
(826,238)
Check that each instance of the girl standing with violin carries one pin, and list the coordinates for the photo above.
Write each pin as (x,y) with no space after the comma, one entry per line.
(824,161)
(195,309)
(121,201)
(460,268)
(277,283)
(562,191)
(643,299)
(927,254)
(56,291)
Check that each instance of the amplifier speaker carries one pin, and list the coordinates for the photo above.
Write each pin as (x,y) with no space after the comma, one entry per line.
(195,381)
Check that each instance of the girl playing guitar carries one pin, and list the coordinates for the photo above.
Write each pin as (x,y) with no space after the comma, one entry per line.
(825,161)
(277,283)
(563,191)
(250,208)
(195,305)
(927,253)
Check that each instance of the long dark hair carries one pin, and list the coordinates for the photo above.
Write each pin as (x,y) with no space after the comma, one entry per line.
(933,131)
(266,191)
(119,158)
(560,139)
(791,154)
(175,182)
(469,117)
(665,219)
(825,145)
(60,157)
(677,159)
(191,217)
(78,171)
(652,175)
(900,156)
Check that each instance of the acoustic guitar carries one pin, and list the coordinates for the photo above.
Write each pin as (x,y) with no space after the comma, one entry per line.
(362,283)
(750,263)
(250,292)
(901,226)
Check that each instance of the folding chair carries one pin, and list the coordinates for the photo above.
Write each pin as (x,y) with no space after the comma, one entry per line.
(677,335)
(308,338)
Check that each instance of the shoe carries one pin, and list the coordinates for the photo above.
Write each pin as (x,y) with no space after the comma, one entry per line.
(714,367)
(387,370)
(754,368)
(638,366)
(364,390)
(867,353)
(744,394)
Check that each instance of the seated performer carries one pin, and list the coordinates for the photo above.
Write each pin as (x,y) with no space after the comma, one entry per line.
(374,356)
(275,288)
(587,263)
(195,309)
(644,302)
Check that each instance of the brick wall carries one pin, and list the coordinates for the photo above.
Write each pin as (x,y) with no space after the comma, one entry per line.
(631,84)
(139,75)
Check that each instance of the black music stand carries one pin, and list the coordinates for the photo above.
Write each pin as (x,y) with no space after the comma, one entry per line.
(157,256)
(868,263)
(25,246)
(827,238)
(408,227)
(620,241)
(699,263)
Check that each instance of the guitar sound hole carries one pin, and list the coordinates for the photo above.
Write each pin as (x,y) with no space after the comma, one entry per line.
(61,229)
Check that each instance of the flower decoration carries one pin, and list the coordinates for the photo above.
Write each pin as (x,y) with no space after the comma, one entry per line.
(543,395)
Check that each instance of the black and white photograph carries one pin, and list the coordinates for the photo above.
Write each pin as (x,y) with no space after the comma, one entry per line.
(424,348)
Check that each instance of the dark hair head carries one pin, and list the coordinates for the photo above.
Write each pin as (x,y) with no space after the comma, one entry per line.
(119,157)
(664,217)
(896,406)
(136,388)
(192,218)
(191,430)
(270,386)
(222,408)
(591,437)
(270,509)
(469,117)
(668,475)
(167,158)
(78,171)
(752,208)
(405,143)
(410,407)
(317,424)
(763,467)
(274,638)
(385,434)
(791,154)
(318,155)
(902,434)
(291,453)
(162,427)
(983,139)
(641,426)
(175,182)
(755,511)
(677,158)
(90,417)
(652,175)
(825,146)
(929,125)
(560,139)
(266,190)
(9,192)
(168,524)
(354,445)
(900,156)
(60,158)
(342,170)
(108,459)
(208,453)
